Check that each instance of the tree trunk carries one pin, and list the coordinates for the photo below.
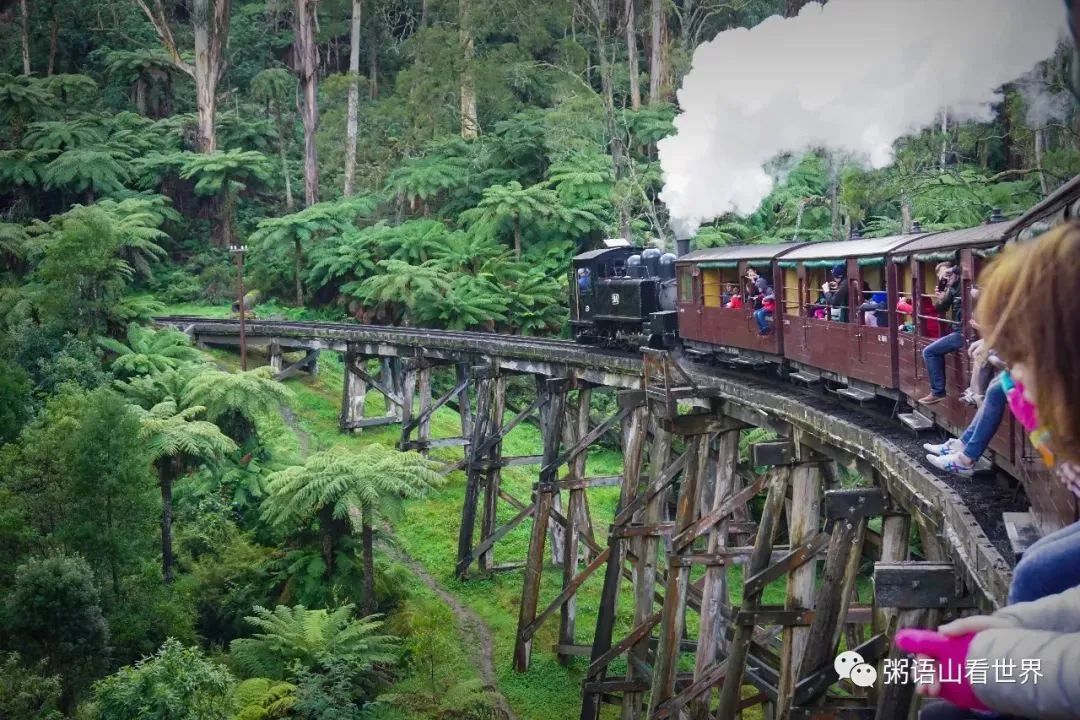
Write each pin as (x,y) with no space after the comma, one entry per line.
(25,12)
(517,237)
(944,139)
(656,58)
(906,219)
(167,472)
(470,127)
(284,159)
(603,29)
(54,37)
(138,95)
(210,22)
(373,54)
(632,56)
(298,260)
(1040,147)
(304,51)
(423,14)
(367,551)
(326,540)
(354,98)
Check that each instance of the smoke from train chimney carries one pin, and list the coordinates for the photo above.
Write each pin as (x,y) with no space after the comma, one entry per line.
(788,85)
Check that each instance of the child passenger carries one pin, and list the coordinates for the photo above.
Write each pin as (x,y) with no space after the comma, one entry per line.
(1040,342)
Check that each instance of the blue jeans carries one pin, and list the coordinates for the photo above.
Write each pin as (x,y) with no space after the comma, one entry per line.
(1050,566)
(934,355)
(762,316)
(986,421)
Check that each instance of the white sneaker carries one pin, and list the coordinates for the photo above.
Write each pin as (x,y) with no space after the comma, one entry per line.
(951,464)
(946,448)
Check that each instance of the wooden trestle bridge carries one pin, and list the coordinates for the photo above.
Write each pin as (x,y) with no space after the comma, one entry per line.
(692,651)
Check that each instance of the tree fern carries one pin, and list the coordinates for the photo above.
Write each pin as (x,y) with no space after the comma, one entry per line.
(263,699)
(63,134)
(149,351)
(235,401)
(288,637)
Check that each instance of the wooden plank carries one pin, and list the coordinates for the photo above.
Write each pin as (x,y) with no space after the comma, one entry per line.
(636,635)
(370,422)
(856,503)
(485,446)
(431,407)
(895,547)
(519,460)
(577,483)
(741,638)
(700,424)
(376,383)
(913,584)
(573,650)
(500,533)
(780,452)
(656,486)
(895,699)
(816,684)
(472,484)
(586,442)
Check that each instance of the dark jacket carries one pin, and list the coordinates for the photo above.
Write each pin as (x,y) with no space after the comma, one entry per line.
(841,300)
(951,303)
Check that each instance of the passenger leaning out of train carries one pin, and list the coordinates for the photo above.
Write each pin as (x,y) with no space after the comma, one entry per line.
(946,300)
(839,302)
(1040,342)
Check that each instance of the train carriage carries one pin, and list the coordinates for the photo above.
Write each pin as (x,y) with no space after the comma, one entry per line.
(844,345)
(705,278)
(915,265)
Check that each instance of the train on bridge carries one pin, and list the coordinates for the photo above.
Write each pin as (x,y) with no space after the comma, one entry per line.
(869,349)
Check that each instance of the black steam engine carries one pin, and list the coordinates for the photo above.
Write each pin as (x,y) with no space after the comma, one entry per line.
(624,297)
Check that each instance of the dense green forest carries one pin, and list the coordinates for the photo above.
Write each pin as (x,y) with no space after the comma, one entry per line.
(179,539)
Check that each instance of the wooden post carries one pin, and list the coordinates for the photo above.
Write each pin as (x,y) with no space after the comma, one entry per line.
(575,427)
(558,535)
(276,357)
(408,396)
(423,430)
(634,430)
(552,415)
(895,547)
(473,474)
(645,548)
(803,523)
(715,592)
(673,619)
(464,404)
(759,560)
(353,393)
(390,377)
(493,474)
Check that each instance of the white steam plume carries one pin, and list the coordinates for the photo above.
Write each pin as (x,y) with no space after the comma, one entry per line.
(852,76)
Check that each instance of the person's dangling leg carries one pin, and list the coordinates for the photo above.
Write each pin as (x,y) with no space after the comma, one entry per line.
(1050,566)
(934,357)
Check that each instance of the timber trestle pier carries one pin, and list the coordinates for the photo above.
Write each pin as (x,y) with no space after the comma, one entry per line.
(679,633)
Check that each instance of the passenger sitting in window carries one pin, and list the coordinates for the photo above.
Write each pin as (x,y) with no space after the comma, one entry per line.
(583,280)
(735,303)
(766,311)
(840,300)
(906,309)
(875,310)
(730,291)
(947,300)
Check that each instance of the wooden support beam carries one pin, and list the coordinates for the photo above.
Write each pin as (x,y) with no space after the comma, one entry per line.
(574,483)
(353,395)
(309,362)
(780,452)
(371,422)
(702,525)
(552,416)
(895,699)
(740,642)
(473,480)
(634,429)
(487,443)
(678,581)
(425,414)
(895,547)
(655,488)
(499,533)
(833,598)
(566,594)
(914,584)
(489,463)
(700,424)
(392,396)
(806,492)
(798,557)
(575,426)
(638,634)
(816,684)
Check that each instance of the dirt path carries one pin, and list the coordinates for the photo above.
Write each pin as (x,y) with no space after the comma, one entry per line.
(302,437)
(471,626)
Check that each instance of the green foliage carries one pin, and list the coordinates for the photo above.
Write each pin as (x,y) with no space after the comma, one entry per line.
(169,432)
(177,683)
(263,699)
(373,481)
(54,616)
(291,637)
(14,400)
(96,170)
(225,170)
(235,401)
(149,351)
(27,693)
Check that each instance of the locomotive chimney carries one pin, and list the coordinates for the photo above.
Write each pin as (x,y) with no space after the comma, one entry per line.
(916,228)
(996,216)
(856,233)
(682,246)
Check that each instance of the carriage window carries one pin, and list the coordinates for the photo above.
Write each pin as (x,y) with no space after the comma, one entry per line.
(719,285)
(686,286)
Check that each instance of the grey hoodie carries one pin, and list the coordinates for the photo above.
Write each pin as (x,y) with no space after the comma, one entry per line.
(1048,632)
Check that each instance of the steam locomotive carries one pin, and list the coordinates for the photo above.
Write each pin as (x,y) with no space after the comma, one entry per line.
(624,297)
